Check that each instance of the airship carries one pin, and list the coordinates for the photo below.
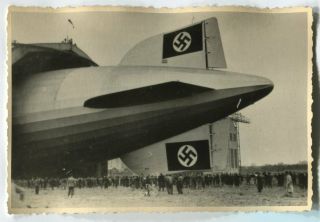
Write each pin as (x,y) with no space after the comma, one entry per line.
(70,113)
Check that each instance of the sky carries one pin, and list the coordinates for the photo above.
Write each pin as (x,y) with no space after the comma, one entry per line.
(269,45)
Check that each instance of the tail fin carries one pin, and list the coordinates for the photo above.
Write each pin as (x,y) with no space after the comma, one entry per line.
(214,49)
(195,46)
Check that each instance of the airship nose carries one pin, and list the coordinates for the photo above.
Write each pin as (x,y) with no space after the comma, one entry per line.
(260,89)
(266,85)
(266,82)
(270,87)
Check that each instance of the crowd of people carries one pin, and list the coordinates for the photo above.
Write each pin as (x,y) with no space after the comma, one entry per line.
(168,182)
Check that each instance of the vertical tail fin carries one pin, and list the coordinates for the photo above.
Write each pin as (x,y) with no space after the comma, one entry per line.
(213,44)
(195,46)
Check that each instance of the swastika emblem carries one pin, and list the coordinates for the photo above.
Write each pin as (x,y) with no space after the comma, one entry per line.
(181,42)
(187,155)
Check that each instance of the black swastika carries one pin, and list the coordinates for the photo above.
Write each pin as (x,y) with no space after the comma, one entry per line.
(182,42)
(187,155)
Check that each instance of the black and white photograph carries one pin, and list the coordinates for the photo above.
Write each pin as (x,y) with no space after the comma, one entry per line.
(115,109)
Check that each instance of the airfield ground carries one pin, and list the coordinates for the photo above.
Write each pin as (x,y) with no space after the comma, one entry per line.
(244,195)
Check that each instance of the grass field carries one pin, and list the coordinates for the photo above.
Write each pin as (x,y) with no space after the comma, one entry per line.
(123,197)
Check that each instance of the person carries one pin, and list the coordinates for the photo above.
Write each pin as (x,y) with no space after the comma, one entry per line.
(105,182)
(71,182)
(37,185)
(259,182)
(169,184)
(179,184)
(161,182)
(147,186)
(269,179)
(289,184)
(51,183)
(237,180)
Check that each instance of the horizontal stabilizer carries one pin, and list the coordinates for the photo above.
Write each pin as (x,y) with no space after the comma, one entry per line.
(196,46)
(145,95)
(36,58)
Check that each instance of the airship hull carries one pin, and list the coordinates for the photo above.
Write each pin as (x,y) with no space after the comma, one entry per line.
(106,133)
